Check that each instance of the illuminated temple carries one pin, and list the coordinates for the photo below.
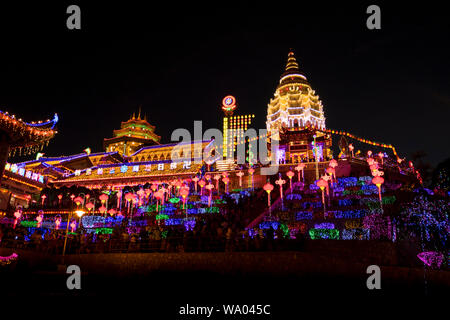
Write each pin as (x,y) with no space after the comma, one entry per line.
(293,116)
(311,184)
(133,134)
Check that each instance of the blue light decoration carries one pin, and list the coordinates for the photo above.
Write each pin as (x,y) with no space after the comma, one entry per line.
(324,234)
(324,225)
(303,215)
(355,234)
(203,210)
(173,222)
(347,182)
(294,196)
(189,224)
(345,202)
(349,214)
(123,168)
(268,224)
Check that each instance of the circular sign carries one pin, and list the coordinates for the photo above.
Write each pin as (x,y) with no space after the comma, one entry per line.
(229,104)
(229,101)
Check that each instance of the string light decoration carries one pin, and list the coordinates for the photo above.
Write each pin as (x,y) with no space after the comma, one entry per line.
(23,138)
(26,138)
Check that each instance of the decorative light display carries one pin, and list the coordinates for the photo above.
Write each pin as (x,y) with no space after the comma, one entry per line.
(268,187)
(324,234)
(7,260)
(431,258)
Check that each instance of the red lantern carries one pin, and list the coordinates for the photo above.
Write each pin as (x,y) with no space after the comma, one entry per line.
(378,181)
(268,187)
(290,174)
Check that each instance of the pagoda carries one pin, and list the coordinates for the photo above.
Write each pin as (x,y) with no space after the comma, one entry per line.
(132,135)
(295,118)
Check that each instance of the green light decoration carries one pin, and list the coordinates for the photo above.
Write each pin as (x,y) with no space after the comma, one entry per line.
(285,229)
(174,200)
(162,217)
(104,231)
(324,234)
(164,234)
(28,224)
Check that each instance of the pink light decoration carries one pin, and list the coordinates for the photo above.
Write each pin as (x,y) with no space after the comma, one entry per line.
(378,181)
(184,192)
(240,174)
(141,194)
(119,198)
(332,172)
(431,258)
(351,148)
(333,163)
(17,215)
(8,259)
(39,219)
(280,182)
(73,225)
(43,199)
(369,153)
(102,209)
(112,211)
(57,223)
(322,184)
(217,178)
(201,183)
(268,187)
(158,195)
(78,200)
(370,161)
(226,180)
(89,206)
(290,174)
(381,156)
(327,178)
(299,168)
(195,179)
(251,171)
(209,187)
(60,196)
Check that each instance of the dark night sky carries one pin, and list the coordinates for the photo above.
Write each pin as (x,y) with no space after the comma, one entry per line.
(178,62)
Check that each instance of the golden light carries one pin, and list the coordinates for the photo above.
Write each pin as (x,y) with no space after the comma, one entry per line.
(80,213)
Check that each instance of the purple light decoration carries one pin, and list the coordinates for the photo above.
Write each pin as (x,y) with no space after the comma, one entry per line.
(431,258)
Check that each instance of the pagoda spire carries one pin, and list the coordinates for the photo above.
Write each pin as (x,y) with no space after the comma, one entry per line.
(292,64)
(139,114)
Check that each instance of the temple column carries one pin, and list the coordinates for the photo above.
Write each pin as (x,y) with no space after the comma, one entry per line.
(4,152)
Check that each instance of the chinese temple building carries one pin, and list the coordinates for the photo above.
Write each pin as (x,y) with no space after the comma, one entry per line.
(153,163)
(132,135)
(20,137)
(294,114)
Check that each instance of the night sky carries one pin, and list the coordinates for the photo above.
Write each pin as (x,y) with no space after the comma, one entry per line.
(179,61)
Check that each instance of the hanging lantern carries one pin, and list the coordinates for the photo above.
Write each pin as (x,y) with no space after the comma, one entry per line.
(195,179)
(280,182)
(322,184)
(290,174)
(184,192)
(201,183)
(378,181)
(217,178)
(240,174)
(268,188)
(226,180)
(209,187)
